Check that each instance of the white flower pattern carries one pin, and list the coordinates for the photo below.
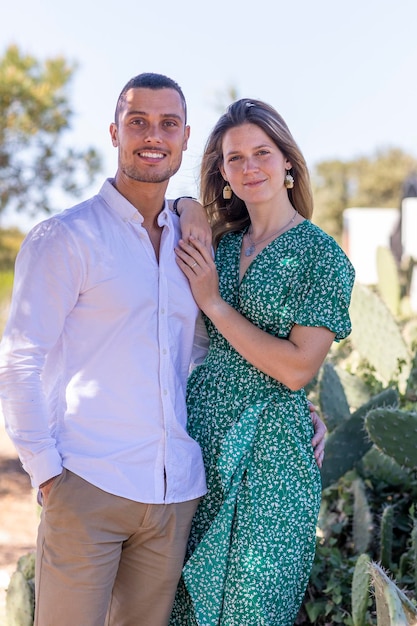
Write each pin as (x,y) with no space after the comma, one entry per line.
(252,540)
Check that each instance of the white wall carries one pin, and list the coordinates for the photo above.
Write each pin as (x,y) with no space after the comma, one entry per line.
(364,229)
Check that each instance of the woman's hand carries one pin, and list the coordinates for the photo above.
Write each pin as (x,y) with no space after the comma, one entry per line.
(196,261)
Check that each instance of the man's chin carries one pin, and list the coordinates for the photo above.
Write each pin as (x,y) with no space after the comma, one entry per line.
(151,177)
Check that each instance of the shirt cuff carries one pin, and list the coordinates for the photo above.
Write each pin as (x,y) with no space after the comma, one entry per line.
(43,466)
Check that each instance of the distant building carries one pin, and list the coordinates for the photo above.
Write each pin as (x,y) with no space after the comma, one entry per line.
(365,229)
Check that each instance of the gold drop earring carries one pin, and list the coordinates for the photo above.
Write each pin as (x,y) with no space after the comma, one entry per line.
(288,180)
(227,192)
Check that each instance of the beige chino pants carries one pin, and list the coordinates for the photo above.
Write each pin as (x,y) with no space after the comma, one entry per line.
(103,560)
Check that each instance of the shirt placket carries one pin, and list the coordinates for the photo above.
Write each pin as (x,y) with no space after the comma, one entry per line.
(164,362)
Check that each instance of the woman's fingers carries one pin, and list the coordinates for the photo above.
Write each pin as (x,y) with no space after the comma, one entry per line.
(193,255)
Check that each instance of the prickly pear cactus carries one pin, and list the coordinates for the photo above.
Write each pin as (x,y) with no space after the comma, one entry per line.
(376,335)
(333,404)
(347,444)
(388,279)
(386,536)
(362,517)
(393,608)
(356,390)
(414,551)
(378,466)
(360,590)
(411,389)
(395,433)
(20,595)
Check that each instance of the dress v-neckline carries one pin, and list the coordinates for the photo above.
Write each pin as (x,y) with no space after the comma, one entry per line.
(241,252)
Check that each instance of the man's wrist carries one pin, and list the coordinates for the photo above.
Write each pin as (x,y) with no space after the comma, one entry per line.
(47,482)
(175,203)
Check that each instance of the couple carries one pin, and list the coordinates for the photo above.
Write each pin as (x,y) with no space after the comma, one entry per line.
(94,363)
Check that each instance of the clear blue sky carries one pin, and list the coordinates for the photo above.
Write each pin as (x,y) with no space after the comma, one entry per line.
(342,74)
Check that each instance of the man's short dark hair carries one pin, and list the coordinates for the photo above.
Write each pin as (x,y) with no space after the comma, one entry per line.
(148,80)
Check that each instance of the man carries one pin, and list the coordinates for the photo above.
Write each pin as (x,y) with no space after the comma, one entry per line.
(93,369)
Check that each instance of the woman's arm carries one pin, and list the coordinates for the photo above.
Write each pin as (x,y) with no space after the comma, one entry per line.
(293,361)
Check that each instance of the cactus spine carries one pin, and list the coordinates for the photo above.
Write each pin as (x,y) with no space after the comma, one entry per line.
(392,605)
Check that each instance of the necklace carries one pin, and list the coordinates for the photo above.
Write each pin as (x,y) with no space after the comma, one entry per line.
(251,248)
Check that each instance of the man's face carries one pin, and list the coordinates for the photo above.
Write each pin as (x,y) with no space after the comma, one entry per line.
(151,134)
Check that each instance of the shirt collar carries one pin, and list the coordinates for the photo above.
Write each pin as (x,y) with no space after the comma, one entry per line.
(125,209)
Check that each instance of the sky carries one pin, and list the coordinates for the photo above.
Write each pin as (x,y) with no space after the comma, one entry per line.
(342,74)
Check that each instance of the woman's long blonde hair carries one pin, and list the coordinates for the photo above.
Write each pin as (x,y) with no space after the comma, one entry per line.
(233,215)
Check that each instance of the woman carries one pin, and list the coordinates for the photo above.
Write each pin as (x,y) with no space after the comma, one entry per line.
(274,301)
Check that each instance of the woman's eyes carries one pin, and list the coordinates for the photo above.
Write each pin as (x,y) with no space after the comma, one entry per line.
(260,153)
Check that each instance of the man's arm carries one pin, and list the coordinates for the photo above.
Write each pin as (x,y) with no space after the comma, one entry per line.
(319,438)
(46,281)
(193,219)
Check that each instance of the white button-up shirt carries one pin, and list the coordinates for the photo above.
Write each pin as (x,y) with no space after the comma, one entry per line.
(96,352)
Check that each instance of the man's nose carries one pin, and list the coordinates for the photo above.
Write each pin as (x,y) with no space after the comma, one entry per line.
(153,133)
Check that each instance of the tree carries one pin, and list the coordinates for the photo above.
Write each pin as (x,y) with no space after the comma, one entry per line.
(374,181)
(34,115)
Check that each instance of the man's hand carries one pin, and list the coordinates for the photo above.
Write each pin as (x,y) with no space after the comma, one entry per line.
(44,490)
(193,220)
(320,430)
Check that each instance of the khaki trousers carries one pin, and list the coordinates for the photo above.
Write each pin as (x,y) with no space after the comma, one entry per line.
(103,560)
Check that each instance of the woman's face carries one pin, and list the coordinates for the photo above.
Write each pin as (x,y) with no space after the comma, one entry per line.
(253,164)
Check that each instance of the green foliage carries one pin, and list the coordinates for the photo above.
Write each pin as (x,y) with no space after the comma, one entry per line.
(369,473)
(392,605)
(348,442)
(386,536)
(373,181)
(334,406)
(328,596)
(34,116)
(6,284)
(389,285)
(377,337)
(330,181)
(360,590)
(362,518)
(20,595)
(10,242)
(394,432)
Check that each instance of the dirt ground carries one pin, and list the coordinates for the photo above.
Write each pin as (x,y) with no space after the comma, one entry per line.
(18,515)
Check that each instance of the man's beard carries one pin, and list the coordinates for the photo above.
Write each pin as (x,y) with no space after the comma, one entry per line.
(150,176)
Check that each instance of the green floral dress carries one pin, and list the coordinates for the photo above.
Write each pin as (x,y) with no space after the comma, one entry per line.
(252,540)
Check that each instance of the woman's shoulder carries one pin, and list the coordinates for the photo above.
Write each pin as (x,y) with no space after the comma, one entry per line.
(318,237)
(324,249)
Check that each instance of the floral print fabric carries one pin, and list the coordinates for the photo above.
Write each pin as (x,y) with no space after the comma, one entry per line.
(252,540)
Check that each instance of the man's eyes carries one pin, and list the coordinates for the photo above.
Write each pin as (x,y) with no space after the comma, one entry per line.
(165,123)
